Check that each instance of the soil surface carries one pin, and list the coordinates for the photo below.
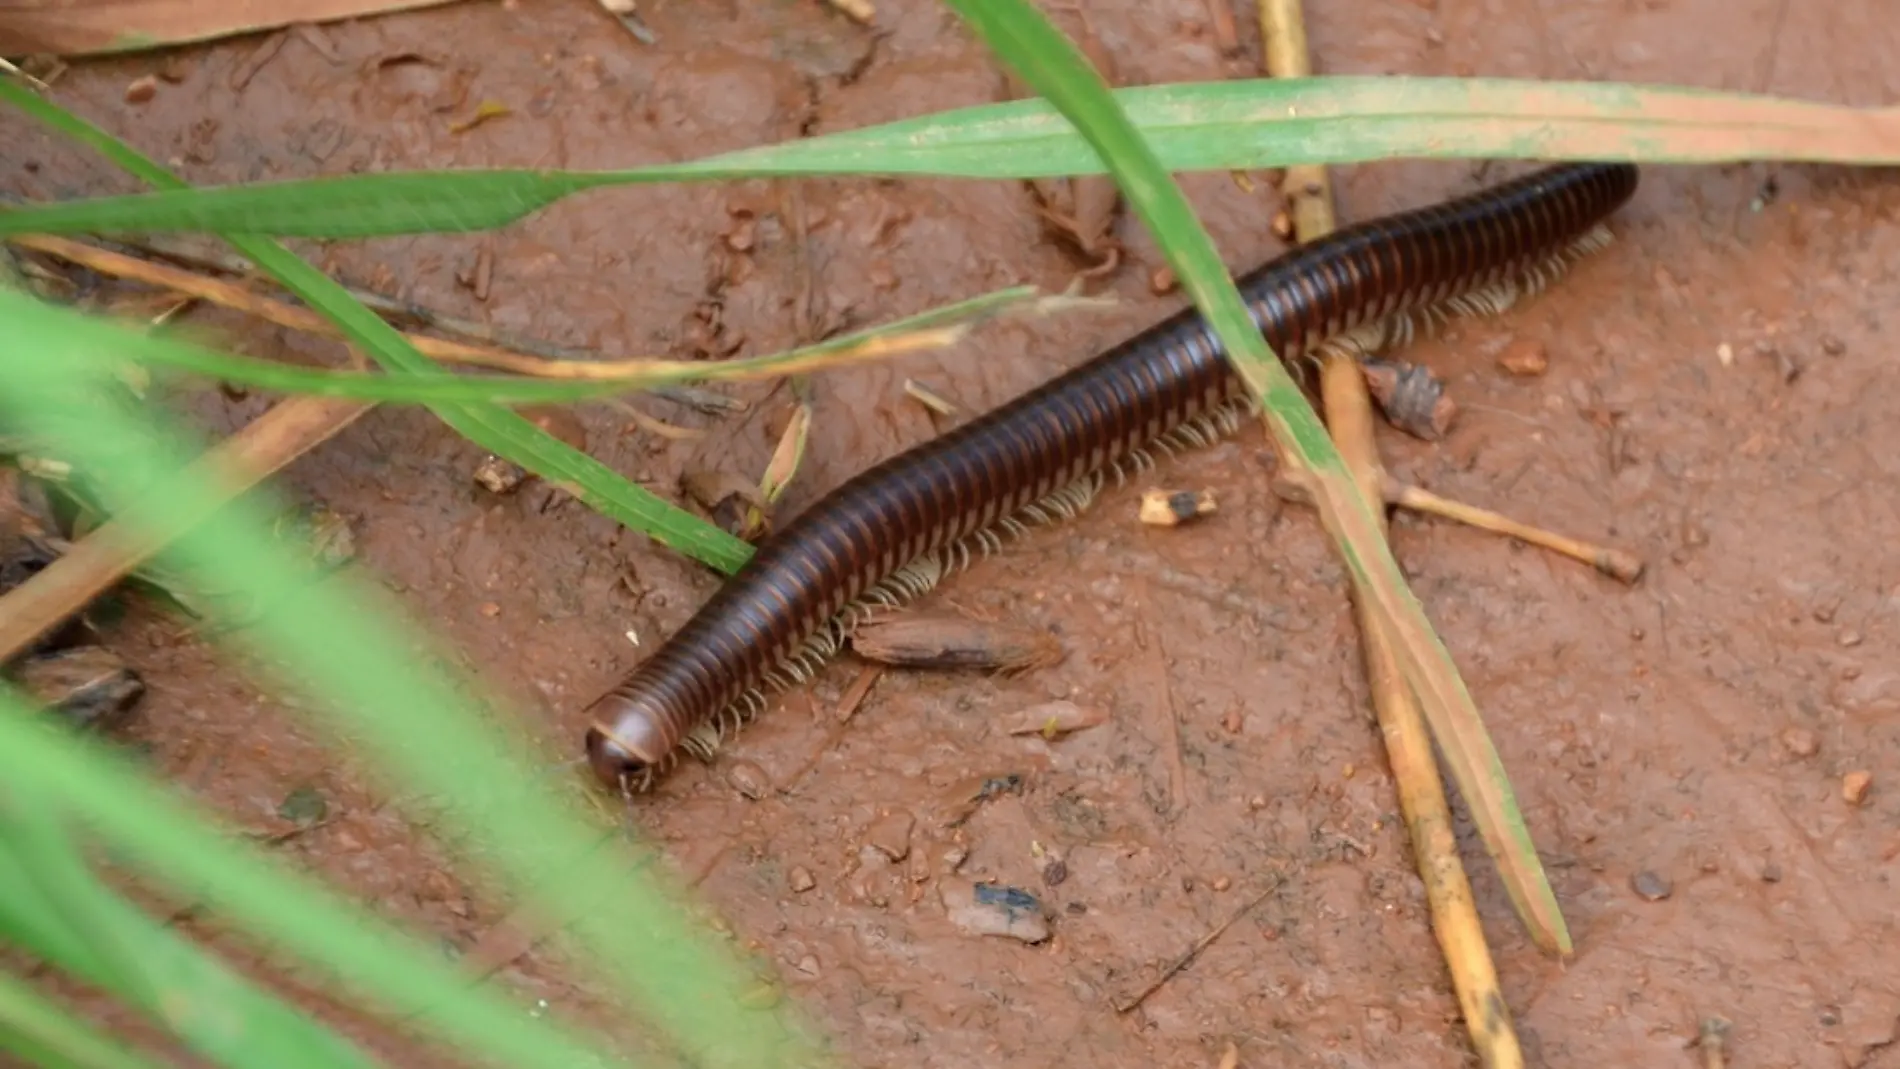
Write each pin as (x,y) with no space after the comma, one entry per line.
(1714,402)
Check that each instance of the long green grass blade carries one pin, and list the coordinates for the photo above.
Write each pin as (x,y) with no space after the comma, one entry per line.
(494,428)
(40,1032)
(148,826)
(214,1012)
(1217,125)
(369,680)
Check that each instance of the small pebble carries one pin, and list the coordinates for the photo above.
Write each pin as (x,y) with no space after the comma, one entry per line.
(1222,883)
(1055,872)
(890,834)
(1771,873)
(1651,886)
(807,965)
(1231,723)
(499,476)
(1725,353)
(1787,366)
(305,805)
(989,909)
(1525,359)
(1854,786)
(1832,345)
(1849,638)
(800,879)
(749,779)
(141,90)
(1800,742)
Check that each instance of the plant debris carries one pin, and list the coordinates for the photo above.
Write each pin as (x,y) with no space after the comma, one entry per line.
(949,640)
(1172,508)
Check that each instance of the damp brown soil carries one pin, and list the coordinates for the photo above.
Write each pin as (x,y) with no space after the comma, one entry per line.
(1718,399)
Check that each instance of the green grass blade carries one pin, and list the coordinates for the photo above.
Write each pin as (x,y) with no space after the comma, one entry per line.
(371,682)
(1056,69)
(494,428)
(177,986)
(39,1032)
(1218,125)
(148,826)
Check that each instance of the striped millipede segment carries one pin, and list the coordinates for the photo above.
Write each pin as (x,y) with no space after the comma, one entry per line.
(892,532)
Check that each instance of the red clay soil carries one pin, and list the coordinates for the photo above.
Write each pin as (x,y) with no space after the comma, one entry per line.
(1718,398)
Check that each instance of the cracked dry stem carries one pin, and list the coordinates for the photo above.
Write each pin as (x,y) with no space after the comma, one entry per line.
(1348,411)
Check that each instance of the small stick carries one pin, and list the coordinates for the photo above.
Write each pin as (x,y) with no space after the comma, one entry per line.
(110,260)
(1171,725)
(1200,944)
(1712,1037)
(1348,408)
(1615,563)
(115,549)
(847,708)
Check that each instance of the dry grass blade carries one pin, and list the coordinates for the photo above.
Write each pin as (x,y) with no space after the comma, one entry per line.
(1348,408)
(113,551)
(867,347)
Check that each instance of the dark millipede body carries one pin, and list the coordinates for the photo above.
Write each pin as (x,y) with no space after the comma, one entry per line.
(892,532)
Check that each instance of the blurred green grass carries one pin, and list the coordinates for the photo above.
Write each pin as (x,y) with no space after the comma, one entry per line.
(359,663)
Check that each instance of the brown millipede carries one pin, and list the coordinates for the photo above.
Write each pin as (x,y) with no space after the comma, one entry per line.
(894,531)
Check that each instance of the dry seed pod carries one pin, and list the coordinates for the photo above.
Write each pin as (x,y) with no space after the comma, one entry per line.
(947,640)
(1171,508)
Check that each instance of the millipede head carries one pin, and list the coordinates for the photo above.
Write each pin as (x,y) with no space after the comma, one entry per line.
(621,763)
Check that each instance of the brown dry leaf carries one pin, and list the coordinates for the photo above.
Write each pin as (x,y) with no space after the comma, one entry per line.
(787,457)
(89,27)
(947,640)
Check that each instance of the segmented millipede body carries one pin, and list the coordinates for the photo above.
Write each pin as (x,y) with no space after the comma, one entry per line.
(894,531)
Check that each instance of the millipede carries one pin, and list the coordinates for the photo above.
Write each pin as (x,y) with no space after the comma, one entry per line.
(893,532)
